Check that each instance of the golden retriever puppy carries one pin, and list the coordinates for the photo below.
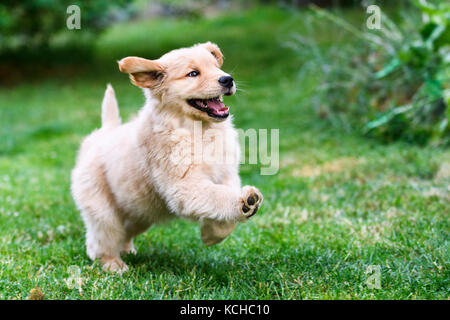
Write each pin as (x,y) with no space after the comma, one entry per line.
(153,168)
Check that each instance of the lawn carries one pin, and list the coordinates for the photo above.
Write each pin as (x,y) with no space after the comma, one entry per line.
(341,211)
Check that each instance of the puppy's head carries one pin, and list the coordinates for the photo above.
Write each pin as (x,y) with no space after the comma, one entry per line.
(189,79)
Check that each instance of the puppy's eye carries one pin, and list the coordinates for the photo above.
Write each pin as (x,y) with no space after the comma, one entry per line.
(193,73)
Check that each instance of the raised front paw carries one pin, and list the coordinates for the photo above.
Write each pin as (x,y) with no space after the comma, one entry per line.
(250,202)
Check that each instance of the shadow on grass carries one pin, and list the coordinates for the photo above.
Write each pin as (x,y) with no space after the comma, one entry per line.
(221,266)
(182,262)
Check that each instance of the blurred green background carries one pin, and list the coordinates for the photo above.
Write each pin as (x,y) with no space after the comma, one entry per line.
(364,160)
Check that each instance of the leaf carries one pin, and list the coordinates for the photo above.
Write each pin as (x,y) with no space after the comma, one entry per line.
(432,34)
(432,89)
(389,68)
(446,95)
(427,29)
(388,116)
(425,7)
(443,125)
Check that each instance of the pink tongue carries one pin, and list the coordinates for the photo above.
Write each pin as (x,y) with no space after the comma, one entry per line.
(216,105)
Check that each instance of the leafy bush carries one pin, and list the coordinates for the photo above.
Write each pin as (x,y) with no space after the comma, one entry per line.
(392,83)
(30,24)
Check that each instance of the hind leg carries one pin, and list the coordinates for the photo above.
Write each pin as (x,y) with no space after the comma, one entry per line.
(128,247)
(132,229)
(105,239)
(105,234)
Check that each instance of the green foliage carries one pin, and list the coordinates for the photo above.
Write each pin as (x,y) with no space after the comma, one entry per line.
(339,204)
(394,83)
(31,23)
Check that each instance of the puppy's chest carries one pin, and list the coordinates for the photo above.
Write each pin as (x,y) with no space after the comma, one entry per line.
(213,152)
(218,155)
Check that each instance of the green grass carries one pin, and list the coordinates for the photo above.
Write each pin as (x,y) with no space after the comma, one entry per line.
(339,204)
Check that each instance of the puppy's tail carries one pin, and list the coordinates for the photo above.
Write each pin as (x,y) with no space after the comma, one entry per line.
(110,109)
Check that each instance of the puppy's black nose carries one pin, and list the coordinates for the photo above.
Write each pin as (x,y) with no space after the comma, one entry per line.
(226,81)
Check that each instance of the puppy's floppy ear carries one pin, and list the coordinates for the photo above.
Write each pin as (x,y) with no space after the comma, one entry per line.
(143,73)
(215,51)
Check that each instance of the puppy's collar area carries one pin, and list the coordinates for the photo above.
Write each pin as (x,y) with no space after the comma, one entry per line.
(214,107)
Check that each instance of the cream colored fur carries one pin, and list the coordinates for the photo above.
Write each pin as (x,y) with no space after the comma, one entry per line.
(126,179)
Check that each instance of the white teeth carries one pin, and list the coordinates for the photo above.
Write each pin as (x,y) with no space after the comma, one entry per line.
(203,103)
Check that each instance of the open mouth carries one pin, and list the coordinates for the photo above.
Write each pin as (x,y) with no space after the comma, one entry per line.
(213,107)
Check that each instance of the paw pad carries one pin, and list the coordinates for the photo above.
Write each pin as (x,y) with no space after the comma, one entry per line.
(251,201)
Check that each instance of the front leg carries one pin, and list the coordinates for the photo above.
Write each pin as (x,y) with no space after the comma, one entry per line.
(196,197)
(214,232)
